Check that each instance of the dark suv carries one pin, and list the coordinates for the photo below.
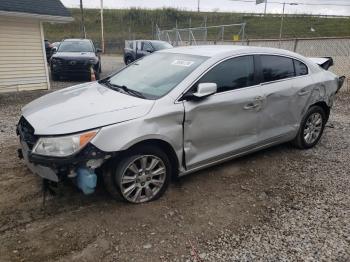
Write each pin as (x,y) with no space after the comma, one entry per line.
(138,48)
(75,57)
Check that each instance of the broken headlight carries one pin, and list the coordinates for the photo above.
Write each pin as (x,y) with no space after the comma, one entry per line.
(62,146)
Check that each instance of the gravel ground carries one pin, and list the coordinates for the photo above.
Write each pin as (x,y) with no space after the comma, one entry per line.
(311,217)
(277,204)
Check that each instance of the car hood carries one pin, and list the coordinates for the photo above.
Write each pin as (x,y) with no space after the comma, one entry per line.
(74,55)
(83,107)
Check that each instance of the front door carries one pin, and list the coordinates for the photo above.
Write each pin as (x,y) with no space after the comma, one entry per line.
(226,122)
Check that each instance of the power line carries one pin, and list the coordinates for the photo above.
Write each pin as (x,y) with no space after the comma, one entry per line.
(299,3)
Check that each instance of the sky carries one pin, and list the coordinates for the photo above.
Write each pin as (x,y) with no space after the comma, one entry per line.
(314,7)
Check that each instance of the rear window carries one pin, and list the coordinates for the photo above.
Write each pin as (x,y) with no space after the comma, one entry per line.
(276,67)
(300,68)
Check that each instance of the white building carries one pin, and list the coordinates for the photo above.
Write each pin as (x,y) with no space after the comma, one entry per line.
(22,50)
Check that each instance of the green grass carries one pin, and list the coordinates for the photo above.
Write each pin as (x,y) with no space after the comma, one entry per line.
(140,24)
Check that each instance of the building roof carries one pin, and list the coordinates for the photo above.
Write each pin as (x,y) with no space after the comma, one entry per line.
(50,10)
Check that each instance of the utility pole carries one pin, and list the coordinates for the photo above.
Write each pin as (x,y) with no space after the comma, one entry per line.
(102,30)
(83,32)
(199,2)
(265,7)
(282,18)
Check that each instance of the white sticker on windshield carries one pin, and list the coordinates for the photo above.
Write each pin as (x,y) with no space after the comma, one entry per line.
(183,63)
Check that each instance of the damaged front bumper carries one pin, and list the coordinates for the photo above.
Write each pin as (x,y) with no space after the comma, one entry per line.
(42,171)
(81,167)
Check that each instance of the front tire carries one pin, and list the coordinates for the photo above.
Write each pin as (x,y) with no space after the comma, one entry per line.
(128,60)
(54,77)
(311,128)
(97,75)
(139,176)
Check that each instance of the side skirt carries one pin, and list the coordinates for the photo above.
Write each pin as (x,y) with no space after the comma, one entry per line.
(276,141)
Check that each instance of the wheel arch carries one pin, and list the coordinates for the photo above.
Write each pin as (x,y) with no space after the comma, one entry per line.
(165,146)
(324,106)
(157,142)
(128,55)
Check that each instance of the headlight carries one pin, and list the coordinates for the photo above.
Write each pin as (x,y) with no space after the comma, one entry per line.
(92,61)
(62,146)
(55,61)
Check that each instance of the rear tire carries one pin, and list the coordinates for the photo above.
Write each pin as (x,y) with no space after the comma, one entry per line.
(140,175)
(311,128)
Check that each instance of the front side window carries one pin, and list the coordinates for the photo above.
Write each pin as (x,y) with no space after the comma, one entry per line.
(300,68)
(155,75)
(232,74)
(146,46)
(276,67)
(161,45)
(75,46)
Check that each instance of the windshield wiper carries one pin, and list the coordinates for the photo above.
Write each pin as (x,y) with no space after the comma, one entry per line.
(123,88)
(132,91)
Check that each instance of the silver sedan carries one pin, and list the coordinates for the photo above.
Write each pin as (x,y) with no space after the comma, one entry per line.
(175,112)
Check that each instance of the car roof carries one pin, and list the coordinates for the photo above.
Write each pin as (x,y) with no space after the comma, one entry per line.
(76,39)
(152,41)
(226,50)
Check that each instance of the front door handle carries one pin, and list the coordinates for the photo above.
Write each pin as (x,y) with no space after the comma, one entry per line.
(250,106)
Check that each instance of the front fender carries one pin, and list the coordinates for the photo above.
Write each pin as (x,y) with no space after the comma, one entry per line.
(164,123)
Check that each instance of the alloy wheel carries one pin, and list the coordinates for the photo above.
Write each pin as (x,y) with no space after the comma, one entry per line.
(313,128)
(143,178)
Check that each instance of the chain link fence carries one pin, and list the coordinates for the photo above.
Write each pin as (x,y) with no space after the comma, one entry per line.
(337,48)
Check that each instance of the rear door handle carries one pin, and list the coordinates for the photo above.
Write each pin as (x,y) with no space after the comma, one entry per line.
(250,106)
(303,92)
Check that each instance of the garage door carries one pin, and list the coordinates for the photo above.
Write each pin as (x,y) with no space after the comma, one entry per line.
(22,61)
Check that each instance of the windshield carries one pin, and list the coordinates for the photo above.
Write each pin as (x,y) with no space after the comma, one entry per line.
(155,75)
(75,46)
(161,45)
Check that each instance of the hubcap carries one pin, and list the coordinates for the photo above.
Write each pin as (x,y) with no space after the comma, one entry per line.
(143,178)
(313,128)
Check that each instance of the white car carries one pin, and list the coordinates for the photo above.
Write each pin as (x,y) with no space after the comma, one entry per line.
(175,112)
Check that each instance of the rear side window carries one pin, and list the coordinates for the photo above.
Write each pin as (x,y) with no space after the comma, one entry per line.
(232,74)
(300,68)
(276,67)
(146,46)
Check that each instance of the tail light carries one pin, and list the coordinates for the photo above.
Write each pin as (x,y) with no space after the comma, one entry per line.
(341,81)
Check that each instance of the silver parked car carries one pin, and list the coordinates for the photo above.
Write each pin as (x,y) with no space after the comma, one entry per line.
(175,112)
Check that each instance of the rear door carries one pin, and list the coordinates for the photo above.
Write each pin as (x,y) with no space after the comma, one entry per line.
(226,122)
(285,95)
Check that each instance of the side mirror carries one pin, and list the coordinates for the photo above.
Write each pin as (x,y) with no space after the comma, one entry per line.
(149,50)
(205,90)
(98,50)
